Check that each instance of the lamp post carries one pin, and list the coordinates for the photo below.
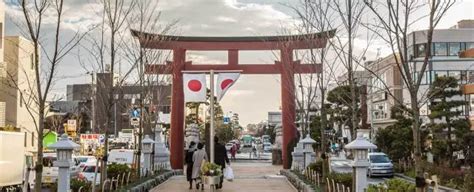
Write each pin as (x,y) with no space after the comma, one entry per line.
(64,148)
(360,149)
(147,149)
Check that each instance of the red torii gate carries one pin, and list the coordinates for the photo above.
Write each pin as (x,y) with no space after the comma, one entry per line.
(286,67)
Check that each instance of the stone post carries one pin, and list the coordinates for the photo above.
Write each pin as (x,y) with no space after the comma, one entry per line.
(360,147)
(64,148)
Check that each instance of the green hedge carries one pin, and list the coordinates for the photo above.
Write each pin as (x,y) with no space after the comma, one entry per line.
(392,185)
(342,178)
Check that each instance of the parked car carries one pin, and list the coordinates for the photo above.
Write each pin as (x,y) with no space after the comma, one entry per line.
(84,160)
(50,172)
(88,173)
(267,147)
(380,165)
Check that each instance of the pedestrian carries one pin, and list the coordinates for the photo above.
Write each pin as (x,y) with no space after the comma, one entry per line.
(233,151)
(198,158)
(254,151)
(220,158)
(189,163)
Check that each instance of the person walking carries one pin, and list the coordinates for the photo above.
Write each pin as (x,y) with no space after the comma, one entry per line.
(233,151)
(198,158)
(220,158)
(189,163)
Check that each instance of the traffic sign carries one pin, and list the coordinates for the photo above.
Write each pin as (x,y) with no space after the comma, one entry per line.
(135,121)
(71,125)
(101,139)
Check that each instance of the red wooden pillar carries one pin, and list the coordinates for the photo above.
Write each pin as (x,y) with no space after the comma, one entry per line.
(287,101)
(177,111)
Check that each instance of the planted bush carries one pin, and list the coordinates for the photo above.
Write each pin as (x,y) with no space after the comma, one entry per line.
(343,178)
(317,166)
(76,184)
(114,170)
(392,185)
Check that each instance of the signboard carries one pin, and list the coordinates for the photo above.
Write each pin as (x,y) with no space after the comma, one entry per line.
(226,120)
(135,121)
(71,125)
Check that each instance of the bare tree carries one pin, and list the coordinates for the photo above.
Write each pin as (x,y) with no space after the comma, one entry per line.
(145,18)
(51,52)
(394,22)
(314,16)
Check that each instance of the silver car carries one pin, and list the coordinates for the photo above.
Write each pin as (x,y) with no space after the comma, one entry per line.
(380,165)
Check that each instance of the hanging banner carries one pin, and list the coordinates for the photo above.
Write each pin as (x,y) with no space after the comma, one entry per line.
(194,87)
(224,82)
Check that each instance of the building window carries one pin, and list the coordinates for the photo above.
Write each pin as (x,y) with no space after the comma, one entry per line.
(470,45)
(454,49)
(455,74)
(440,49)
(420,50)
(440,74)
(26,139)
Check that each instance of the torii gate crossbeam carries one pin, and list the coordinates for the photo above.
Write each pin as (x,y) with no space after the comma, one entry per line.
(286,67)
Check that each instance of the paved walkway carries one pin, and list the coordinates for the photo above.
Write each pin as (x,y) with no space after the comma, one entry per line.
(249,176)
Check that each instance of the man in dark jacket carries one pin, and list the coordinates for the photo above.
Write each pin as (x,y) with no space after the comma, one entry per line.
(220,158)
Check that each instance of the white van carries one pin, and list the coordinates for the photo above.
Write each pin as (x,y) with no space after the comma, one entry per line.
(50,172)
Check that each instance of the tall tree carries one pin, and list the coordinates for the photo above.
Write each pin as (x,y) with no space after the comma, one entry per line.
(394,20)
(447,115)
(36,14)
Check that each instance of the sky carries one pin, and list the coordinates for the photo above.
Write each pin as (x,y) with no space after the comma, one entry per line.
(253,95)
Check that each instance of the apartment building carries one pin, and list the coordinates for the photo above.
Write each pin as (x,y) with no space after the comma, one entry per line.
(444,59)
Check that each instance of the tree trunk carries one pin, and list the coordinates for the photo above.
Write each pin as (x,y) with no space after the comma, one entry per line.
(416,137)
(324,146)
(39,162)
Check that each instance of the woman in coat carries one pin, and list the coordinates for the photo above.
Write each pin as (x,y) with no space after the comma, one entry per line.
(199,156)
(189,163)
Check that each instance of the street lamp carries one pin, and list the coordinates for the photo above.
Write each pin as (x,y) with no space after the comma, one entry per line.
(64,148)
(359,149)
(147,149)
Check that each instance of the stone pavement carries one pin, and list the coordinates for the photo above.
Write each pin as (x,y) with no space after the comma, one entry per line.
(249,176)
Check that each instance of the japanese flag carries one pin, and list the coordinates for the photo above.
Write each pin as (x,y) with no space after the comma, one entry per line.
(224,82)
(194,87)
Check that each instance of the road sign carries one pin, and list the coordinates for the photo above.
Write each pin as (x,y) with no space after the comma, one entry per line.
(135,113)
(135,121)
(226,120)
(71,125)
(101,139)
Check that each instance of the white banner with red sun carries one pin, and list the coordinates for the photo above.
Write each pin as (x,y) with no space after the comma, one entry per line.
(194,87)
(224,82)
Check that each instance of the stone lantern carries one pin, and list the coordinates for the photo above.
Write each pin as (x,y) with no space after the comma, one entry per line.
(64,148)
(360,149)
(303,154)
(147,149)
(162,154)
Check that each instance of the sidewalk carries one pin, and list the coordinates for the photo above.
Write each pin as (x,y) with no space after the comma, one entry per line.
(258,177)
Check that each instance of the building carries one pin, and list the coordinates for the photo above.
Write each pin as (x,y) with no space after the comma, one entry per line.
(126,98)
(444,59)
(19,87)
(274,118)
(384,75)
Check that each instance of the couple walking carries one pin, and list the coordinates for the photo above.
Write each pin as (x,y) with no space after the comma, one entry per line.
(195,157)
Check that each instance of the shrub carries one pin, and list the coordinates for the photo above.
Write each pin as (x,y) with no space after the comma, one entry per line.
(392,185)
(114,170)
(317,166)
(78,183)
(343,178)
